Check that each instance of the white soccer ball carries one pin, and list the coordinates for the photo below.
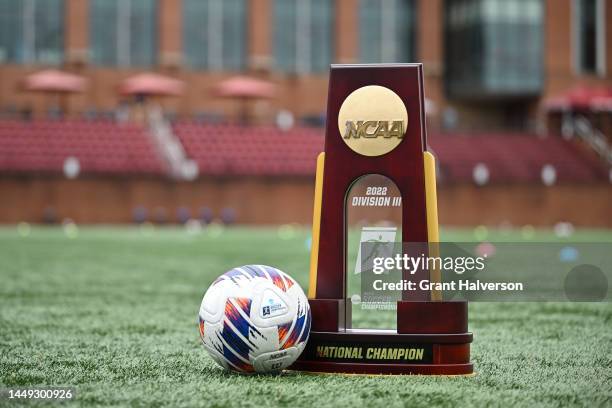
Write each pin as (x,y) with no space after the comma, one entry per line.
(254,318)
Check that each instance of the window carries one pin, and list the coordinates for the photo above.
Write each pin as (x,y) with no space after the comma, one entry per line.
(123,32)
(303,40)
(32,31)
(386,31)
(590,36)
(214,34)
(494,47)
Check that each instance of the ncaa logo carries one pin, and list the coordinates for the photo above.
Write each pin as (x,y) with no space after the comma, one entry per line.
(372,120)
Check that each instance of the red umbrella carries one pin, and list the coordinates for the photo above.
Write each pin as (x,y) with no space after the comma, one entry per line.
(246,88)
(57,84)
(602,102)
(51,80)
(579,97)
(149,83)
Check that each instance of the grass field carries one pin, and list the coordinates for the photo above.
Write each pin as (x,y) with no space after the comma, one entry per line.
(112,311)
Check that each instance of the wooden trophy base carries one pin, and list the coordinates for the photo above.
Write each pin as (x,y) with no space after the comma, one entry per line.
(431,339)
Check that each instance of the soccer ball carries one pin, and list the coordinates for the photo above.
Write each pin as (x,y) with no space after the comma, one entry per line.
(254,318)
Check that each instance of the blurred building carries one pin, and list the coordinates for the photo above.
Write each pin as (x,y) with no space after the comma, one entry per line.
(497,74)
(488,63)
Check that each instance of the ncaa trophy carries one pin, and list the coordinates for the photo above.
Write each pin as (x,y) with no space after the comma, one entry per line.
(375,132)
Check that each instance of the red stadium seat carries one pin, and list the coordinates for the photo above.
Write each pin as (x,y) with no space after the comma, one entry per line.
(108,147)
(510,157)
(100,147)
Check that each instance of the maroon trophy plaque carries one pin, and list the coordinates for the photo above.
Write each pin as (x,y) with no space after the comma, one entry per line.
(376,127)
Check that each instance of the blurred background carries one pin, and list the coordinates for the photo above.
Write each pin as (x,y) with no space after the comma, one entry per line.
(170,111)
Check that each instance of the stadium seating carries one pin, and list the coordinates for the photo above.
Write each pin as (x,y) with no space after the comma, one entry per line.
(238,150)
(101,147)
(513,158)
(105,147)
(235,150)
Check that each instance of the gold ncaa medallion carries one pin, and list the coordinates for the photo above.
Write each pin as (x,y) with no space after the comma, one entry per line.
(372,120)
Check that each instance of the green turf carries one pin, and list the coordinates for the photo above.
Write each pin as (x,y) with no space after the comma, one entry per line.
(112,311)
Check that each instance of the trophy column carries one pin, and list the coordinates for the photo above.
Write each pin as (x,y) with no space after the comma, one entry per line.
(376,126)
